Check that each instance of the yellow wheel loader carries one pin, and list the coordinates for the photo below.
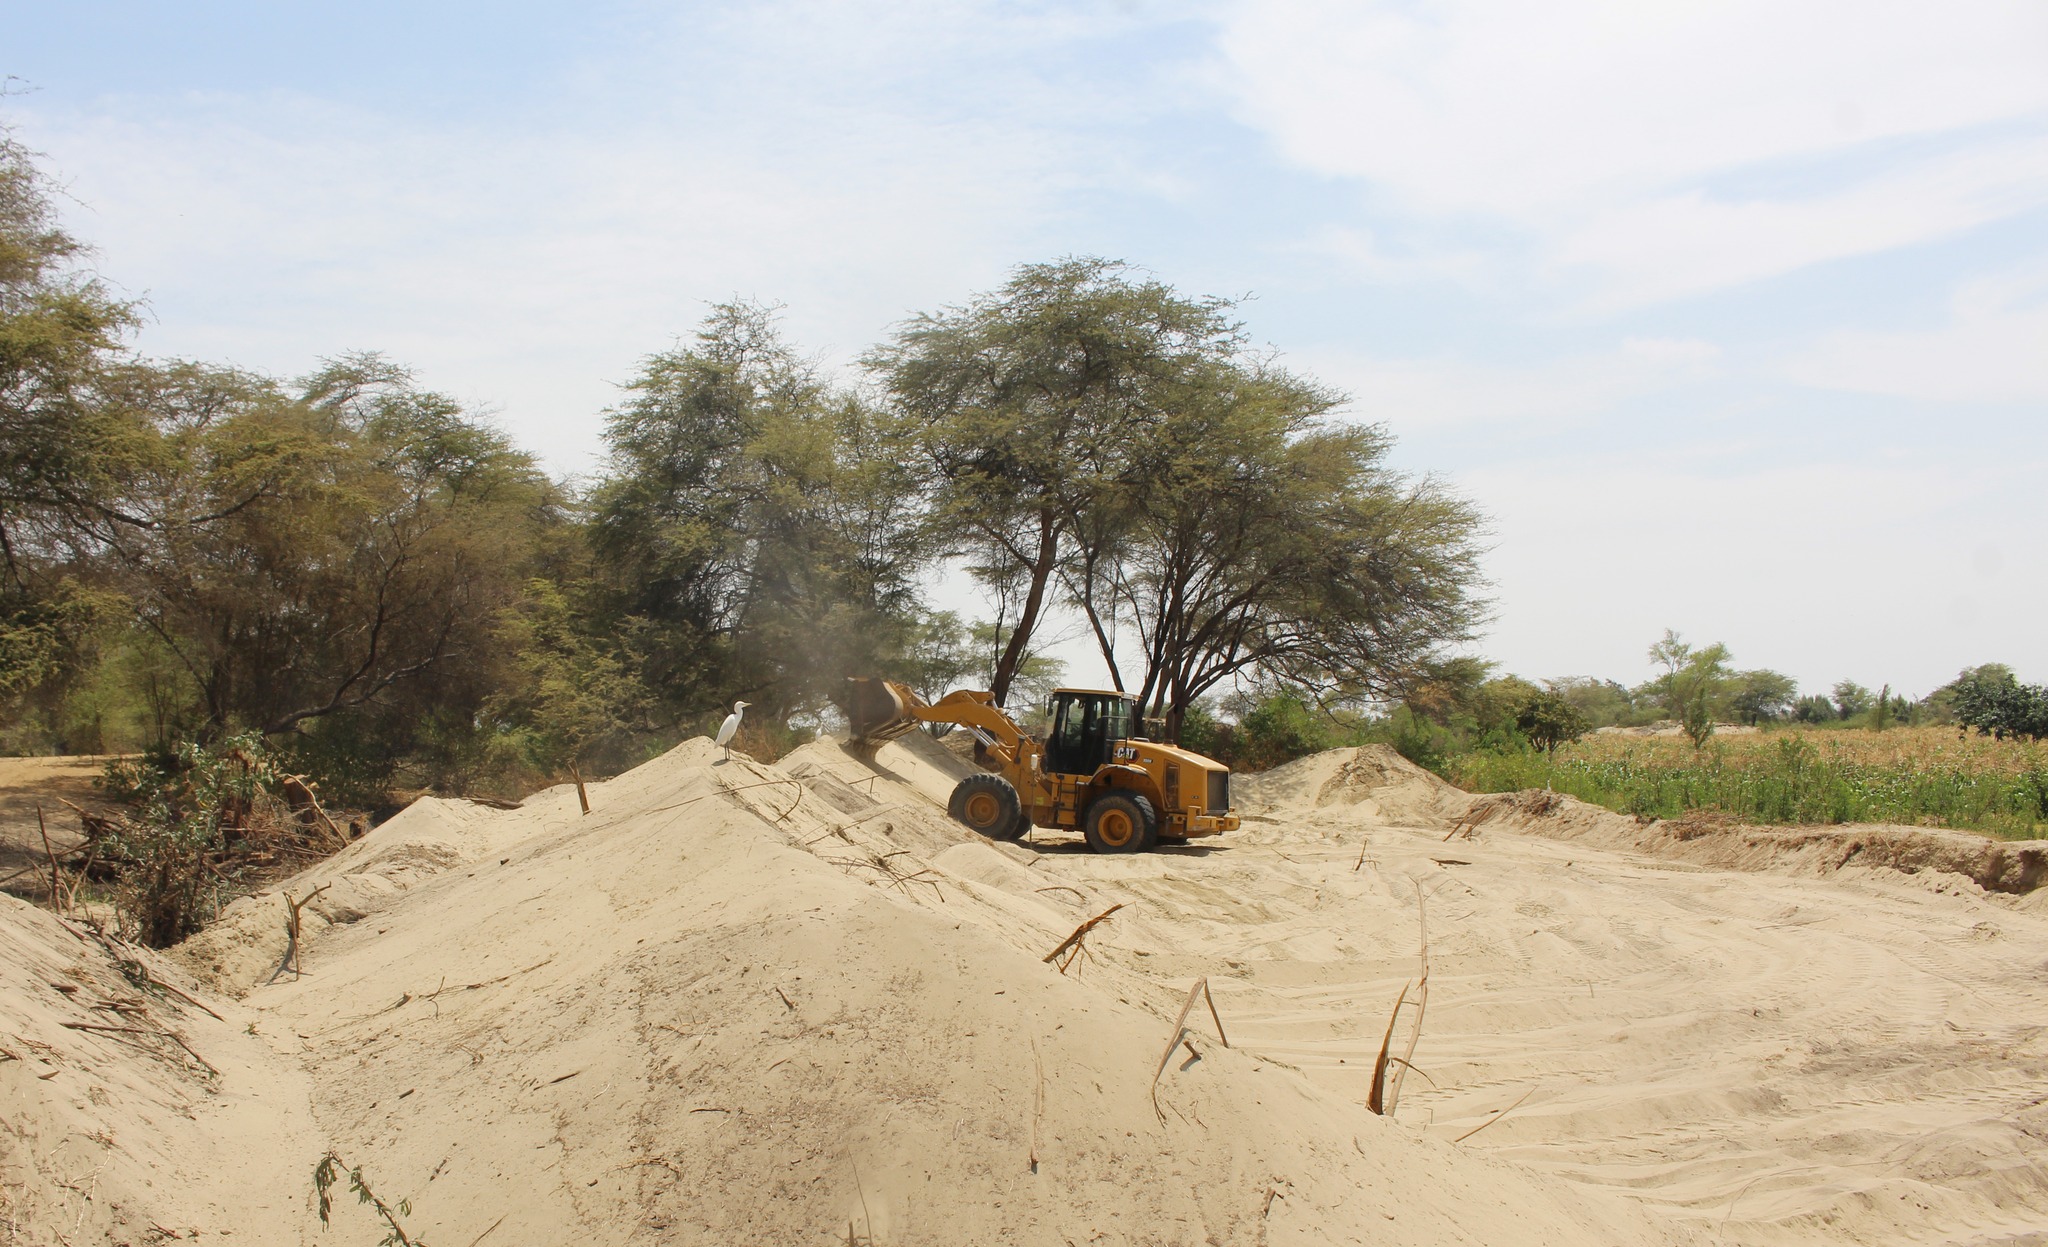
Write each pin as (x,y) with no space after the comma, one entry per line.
(1092,772)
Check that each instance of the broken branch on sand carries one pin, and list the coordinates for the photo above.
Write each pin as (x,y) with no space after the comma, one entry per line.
(1374,1098)
(470,987)
(897,878)
(158,1033)
(1076,944)
(728,788)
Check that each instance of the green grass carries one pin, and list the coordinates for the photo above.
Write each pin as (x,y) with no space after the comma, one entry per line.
(1782,778)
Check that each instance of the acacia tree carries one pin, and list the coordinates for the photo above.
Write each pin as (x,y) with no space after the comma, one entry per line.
(62,447)
(1264,543)
(577,690)
(761,522)
(1693,680)
(306,555)
(1031,406)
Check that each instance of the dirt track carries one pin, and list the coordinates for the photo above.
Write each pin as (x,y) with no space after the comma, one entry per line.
(748,1004)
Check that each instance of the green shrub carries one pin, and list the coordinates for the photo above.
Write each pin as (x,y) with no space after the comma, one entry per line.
(191,803)
(1279,730)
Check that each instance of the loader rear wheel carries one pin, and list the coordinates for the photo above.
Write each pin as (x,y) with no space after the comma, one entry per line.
(989,805)
(1121,822)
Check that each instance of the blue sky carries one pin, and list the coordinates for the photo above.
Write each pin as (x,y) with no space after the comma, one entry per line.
(1732,316)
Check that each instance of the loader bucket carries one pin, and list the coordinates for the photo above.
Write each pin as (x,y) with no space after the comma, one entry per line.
(879,710)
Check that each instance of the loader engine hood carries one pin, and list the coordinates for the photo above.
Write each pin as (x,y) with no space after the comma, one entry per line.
(1190,777)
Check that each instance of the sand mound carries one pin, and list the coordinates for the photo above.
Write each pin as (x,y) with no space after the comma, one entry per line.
(1372,782)
(741,1003)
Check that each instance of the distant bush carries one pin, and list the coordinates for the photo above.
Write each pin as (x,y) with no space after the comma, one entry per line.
(1996,704)
(1548,720)
(1813,709)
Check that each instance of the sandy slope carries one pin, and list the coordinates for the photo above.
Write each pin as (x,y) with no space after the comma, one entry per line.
(751,1004)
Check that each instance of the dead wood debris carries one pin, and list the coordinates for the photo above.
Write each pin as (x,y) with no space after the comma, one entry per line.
(290,960)
(893,875)
(154,1032)
(1075,945)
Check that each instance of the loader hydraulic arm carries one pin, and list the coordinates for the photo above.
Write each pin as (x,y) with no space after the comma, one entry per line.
(881,710)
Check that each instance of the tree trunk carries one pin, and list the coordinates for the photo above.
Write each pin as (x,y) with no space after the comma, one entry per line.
(1034,602)
(1176,716)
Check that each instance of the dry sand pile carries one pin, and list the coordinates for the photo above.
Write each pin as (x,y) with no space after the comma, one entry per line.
(753,1004)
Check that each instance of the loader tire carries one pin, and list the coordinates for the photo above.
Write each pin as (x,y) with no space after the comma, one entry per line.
(989,805)
(1121,822)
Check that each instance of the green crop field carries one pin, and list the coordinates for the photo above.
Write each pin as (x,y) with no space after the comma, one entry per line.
(1927,776)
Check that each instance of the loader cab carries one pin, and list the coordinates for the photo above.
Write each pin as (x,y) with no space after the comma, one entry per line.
(1086,725)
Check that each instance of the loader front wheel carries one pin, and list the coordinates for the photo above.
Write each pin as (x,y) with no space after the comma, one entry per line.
(1120,822)
(989,805)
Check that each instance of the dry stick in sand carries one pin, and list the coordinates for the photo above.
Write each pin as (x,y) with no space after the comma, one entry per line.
(1363,845)
(1374,1098)
(1180,1028)
(312,799)
(56,878)
(867,1217)
(290,960)
(1381,1099)
(1393,1095)
(730,788)
(1496,1117)
(148,980)
(1076,942)
(1037,1101)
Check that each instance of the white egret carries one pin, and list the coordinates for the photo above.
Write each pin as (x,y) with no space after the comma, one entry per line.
(727,728)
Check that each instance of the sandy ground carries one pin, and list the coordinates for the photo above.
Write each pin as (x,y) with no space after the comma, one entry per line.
(25,783)
(752,1004)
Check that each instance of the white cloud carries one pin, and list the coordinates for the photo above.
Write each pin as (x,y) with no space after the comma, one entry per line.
(1658,248)
(530,267)
(1993,350)
(1606,132)
(1445,392)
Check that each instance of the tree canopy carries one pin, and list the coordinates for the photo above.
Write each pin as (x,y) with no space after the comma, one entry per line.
(375,579)
(1095,439)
